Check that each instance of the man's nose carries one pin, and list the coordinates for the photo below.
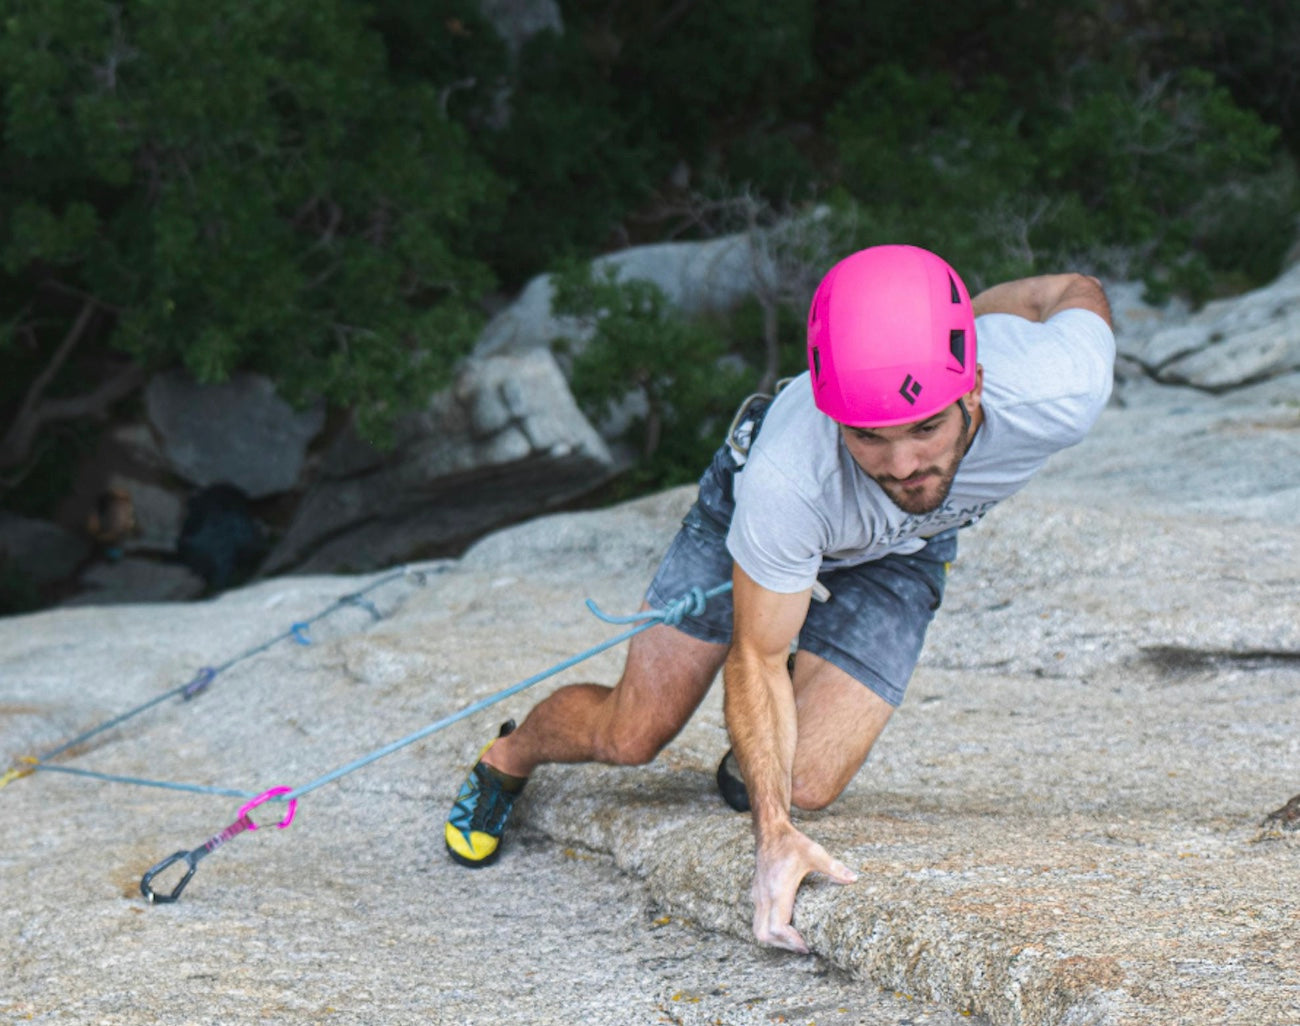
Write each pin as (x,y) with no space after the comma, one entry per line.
(904,460)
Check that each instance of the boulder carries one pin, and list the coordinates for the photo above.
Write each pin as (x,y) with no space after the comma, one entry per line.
(159,513)
(505,441)
(697,278)
(42,552)
(1229,343)
(239,433)
(1135,319)
(517,21)
(134,579)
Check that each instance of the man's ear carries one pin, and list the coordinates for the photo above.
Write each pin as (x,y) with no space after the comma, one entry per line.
(976,393)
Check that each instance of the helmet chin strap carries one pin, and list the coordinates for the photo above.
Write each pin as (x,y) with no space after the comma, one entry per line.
(966,421)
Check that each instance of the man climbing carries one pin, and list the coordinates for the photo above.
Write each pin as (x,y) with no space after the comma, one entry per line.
(834,510)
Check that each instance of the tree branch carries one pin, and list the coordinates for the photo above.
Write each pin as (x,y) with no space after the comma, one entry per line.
(60,357)
(36,411)
(124,381)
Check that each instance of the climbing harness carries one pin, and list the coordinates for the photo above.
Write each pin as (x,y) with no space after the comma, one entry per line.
(691,604)
(744,425)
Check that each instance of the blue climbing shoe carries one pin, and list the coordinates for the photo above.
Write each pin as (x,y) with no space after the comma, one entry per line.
(478,816)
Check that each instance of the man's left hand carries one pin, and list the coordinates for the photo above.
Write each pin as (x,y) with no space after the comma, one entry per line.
(783,861)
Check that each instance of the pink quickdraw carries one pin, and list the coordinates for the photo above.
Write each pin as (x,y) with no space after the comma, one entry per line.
(191,858)
(266,796)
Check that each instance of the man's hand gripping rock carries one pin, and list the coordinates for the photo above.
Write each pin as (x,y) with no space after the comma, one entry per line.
(784,857)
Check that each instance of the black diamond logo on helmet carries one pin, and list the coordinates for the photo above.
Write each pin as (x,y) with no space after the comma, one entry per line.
(910,389)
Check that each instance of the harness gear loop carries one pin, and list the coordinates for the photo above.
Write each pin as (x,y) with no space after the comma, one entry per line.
(740,435)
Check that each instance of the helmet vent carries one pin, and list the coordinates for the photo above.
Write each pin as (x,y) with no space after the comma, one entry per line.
(817,363)
(957,346)
(952,284)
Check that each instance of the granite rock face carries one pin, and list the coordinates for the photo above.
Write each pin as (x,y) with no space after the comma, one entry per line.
(1063,823)
(1228,344)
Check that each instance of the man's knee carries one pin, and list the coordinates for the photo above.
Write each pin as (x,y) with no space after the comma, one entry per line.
(666,675)
(629,744)
(814,794)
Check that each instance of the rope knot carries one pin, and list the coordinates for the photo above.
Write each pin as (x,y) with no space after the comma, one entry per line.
(693,603)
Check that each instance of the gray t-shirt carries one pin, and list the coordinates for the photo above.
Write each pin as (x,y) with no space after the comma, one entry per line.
(802,503)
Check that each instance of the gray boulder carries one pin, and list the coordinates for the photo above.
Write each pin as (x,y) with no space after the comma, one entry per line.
(42,552)
(1135,319)
(239,433)
(697,278)
(505,441)
(134,579)
(1229,343)
(517,21)
(159,513)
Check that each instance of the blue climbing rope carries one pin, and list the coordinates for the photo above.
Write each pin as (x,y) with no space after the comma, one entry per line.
(202,680)
(690,604)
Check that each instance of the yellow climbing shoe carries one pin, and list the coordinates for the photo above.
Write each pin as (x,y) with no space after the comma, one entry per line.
(478,816)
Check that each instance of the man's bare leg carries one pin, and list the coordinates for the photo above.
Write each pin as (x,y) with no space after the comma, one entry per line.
(839,719)
(666,675)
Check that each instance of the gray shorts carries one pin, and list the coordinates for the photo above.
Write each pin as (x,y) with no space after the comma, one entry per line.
(872,627)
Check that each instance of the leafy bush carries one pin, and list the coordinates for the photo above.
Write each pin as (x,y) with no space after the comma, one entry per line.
(1111,168)
(326,192)
(236,187)
(670,378)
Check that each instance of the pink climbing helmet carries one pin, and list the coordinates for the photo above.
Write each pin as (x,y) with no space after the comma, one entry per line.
(891,338)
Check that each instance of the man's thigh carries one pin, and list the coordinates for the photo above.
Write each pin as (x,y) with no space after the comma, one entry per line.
(697,558)
(874,625)
(838,722)
(666,676)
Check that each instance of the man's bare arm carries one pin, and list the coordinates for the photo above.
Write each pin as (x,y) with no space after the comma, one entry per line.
(760,712)
(1038,298)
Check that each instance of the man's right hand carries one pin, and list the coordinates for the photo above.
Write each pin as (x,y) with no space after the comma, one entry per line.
(783,860)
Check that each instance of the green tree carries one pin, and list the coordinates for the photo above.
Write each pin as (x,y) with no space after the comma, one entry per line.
(1115,172)
(641,354)
(224,187)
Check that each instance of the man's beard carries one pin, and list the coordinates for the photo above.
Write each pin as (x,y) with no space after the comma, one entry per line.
(932,492)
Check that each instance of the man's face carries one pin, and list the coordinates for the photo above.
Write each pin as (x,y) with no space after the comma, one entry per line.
(915,463)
